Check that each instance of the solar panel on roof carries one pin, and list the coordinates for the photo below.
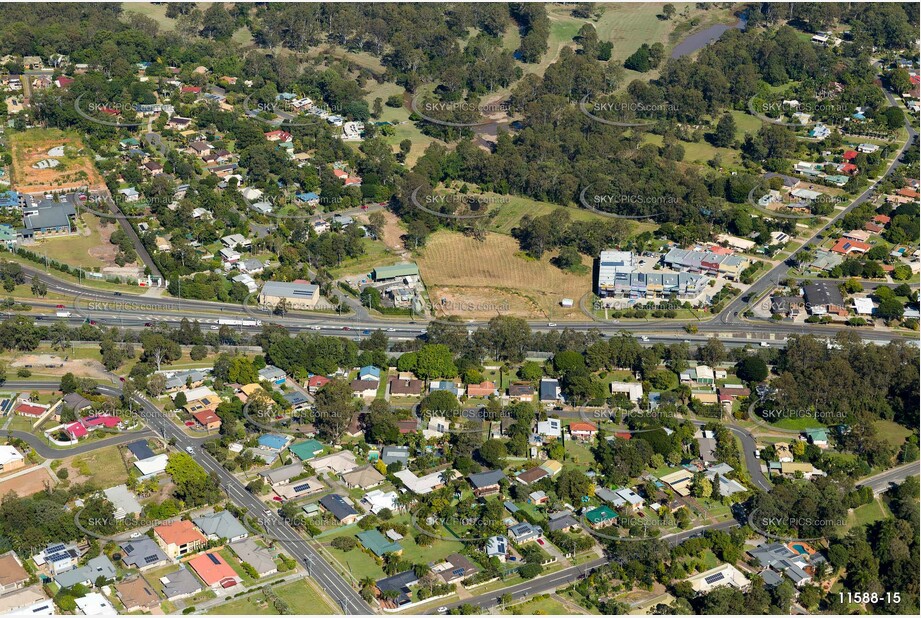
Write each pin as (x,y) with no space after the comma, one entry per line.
(129,548)
(302,487)
(150,559)
(712,579)
(59,556)
(459,571)
(213,558)
(53,549)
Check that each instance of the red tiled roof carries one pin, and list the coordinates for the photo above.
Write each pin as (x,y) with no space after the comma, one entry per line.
(102,420)
(582,427)
(850,154)
(29,409)
(213,569)
(317,381)
(180,532)
(206,417)
(845,246)
(847,168)
(872,227)
(881,219)
(76,430)
(626,435)
(195,89)
(906,192)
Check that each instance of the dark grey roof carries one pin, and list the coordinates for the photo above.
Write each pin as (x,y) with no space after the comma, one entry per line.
(76,401)
(485,479)
(181,583)
(771,578)
(140,450)
(142,552)
(400,583)
(392,454)
(548,390)
(222,525)
(336,504)
(561,520)
(768,555)
(49,214)
(296,398)
(821,293)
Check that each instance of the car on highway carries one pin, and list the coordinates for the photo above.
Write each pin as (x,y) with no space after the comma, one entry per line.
(148,324)
(644,338)
(92,322)
(765,344)
(551,324)
(118,293)
(442,610)
(365,332)
(190,450)
(317,327)
(391,330)
(59,307)
(346,328)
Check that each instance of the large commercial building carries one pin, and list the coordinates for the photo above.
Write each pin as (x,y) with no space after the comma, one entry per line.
(297,295)
(706,262)
(618,278)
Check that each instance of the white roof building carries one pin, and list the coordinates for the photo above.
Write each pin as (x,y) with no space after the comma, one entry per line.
(377,500)
(723,575)
(424,484)
(94,604)
(634,390)
(152,465)
(8,455)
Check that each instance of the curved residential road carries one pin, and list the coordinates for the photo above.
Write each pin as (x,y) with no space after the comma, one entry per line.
(49,452)
(752,463)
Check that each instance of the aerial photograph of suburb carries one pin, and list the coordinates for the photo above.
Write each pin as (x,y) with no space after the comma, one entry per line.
(375,308)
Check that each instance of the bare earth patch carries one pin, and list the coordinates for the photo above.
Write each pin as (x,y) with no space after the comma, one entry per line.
(484,278)
(51,364)
(27,484)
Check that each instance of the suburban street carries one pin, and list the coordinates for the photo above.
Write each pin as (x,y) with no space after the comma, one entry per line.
(340,590)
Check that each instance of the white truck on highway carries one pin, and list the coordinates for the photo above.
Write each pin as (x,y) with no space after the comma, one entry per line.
(230,322)
(63,314)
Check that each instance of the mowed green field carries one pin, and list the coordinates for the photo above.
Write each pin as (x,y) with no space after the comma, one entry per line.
(300,596)
(510,214)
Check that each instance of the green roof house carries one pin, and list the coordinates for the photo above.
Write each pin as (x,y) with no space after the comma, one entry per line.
(378,544)
(601,516)
(307,450)
(819,437)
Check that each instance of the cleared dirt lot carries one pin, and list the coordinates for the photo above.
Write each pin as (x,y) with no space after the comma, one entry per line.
(27,484)
(76,169)
(481,279)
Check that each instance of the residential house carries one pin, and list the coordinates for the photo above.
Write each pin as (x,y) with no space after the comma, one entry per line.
(402,387)
(583,431)
(142,553)
(12,575)
(338,507)
(137,595)
(524,532)
(423,485)
(454,568)
(366,389)
(521,392)
(260,558)
(221,525)
(10,459)
(601,516)
(633,390)
(88,574)
(95,604)
(486,483)
(718,576)
(179,538)
(214,570)
(378,544)
(377,500)
(283,475)
(561,521)
(498,547)
(483,389)
(338,463)
(179,584)
(369,372)
(550,390)
(306,450)
(395,454)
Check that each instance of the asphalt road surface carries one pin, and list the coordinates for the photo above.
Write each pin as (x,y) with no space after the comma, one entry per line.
(349,600)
